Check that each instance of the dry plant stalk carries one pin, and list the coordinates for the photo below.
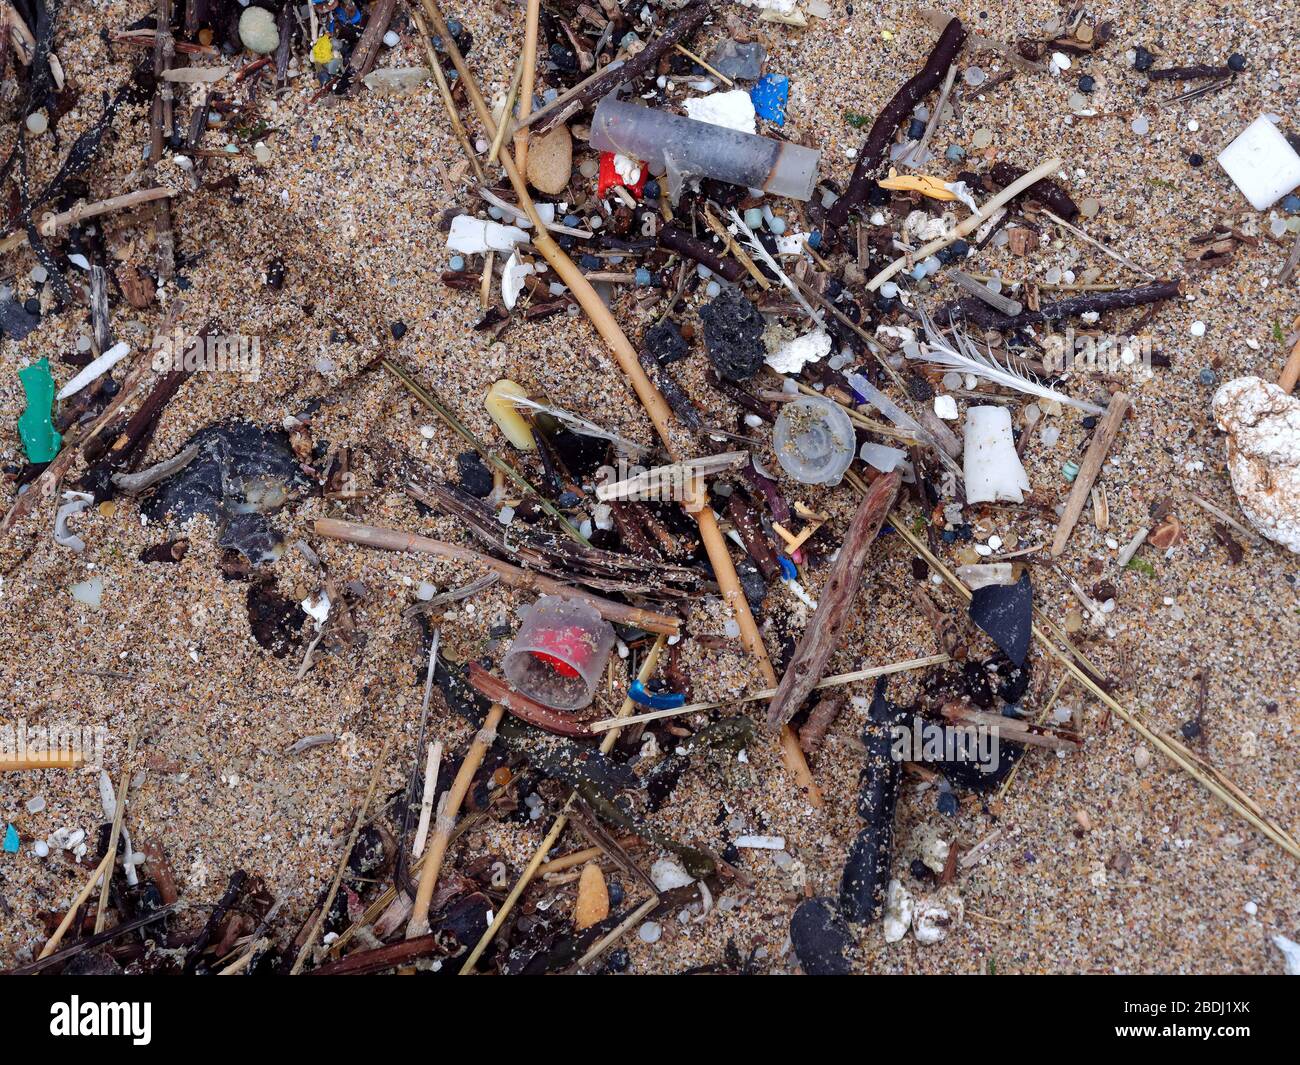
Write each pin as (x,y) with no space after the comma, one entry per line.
(104,868)
(532,19)
(1089,469)
(483,740)
(119,811)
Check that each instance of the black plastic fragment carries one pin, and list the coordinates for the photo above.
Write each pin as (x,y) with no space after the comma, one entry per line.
(821,938)
(1006,613)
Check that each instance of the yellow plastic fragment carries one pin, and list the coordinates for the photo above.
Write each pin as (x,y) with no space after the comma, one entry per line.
(507,416)
(323,50)
(935,188)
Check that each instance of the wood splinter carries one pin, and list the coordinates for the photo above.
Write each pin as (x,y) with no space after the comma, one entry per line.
(823,632)
(1090,468)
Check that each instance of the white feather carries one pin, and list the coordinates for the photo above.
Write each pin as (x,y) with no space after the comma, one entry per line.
(756,246)
(967,358)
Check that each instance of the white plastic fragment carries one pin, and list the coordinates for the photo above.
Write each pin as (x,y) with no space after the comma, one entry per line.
(1261,163)
(512,279)
(979,576)
(992,468)
(791,356)
(76,503)
(667,874)
(317,607)
(760,843)
(1263,427)
(945,406)
(898,912)
(878,456)
(1290,954)
(474,236)
(89,593)
(936,915)
(733,110)
(95,369)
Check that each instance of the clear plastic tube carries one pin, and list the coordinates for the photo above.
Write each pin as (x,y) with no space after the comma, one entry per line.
(682,148)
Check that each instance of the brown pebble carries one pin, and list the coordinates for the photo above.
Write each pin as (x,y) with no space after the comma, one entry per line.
(550,161)
(592,906)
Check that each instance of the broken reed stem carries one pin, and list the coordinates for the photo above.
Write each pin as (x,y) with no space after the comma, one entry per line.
(643,674)
(656,408)
(532,19)
(103,869)
(504,124)
(418,925)
(1225,791)
(605,942)
(431,767)
(1098,245)
(767,693)
(913,157)
(435,65)
(343,864)
(66,760)
(1089,469)
(119,811)
(395,540)
(51,224)
(1291,371)
(969,226)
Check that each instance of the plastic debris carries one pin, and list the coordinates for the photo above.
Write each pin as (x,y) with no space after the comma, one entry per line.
(513,276)
(814,440)
(733,336)
(640,695)
(898,912)
(821,938)
(684,148)
(95,369)
(992,468)
(506,414)
(1006,613)
(76,503)
(792,356)
(257,30)
(730,110)
(1263,426)
(621,171)
(559,653)
(740,62)
(11,840)
(770,96)
(89,593)
(474,236)
(1290,954)
(1262,163)
(40,440)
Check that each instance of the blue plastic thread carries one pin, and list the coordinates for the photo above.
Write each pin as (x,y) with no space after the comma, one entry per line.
(668,701)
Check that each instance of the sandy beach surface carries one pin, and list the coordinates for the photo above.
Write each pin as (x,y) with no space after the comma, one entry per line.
(1107,859)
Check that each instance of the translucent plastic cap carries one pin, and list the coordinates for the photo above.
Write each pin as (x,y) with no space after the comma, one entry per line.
(814,440)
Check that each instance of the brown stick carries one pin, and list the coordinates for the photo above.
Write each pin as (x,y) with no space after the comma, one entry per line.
(823,632)
(531,20)
(546,718)
(378,959)
(483,740)
(1096,455)
(1291,371)
(395,540)
(366,52)
(42,761)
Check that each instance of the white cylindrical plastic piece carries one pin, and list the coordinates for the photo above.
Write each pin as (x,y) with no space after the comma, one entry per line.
(992,468)
(559,653)
(682,148)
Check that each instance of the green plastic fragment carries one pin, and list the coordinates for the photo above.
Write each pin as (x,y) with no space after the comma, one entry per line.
(40,440)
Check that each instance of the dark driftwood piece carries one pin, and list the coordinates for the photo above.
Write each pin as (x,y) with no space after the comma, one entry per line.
(872,156)
(1196,72)
(586,93)
(977,312)
(366,52)
(823,633)
(674,395)
(674,238)
(866,871)
(1047,192)
(745,520)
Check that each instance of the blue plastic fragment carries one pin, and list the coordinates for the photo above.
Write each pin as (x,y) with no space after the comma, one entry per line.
(788,570)
(11,840)
(667,701)
(770,94)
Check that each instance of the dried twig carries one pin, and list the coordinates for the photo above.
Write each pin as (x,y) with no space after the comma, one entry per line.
(1102,439)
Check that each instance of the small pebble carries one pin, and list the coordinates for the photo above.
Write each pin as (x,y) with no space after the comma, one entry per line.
(983,138)
(41,849)
(37,123)
(1141,125)
(1198,329)
(391,39)
(650,932)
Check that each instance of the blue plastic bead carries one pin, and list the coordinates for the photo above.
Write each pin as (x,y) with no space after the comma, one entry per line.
(642,276)
(955,153)
(1291,204)
(788,570)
